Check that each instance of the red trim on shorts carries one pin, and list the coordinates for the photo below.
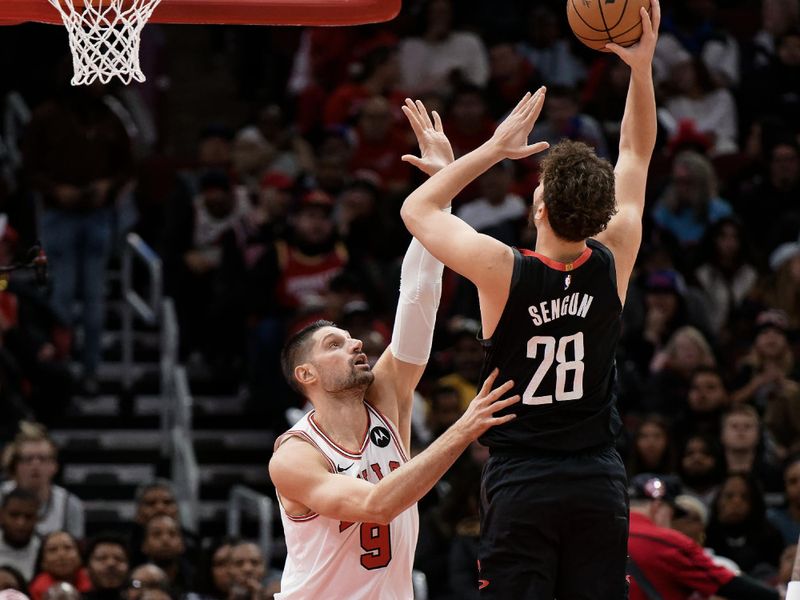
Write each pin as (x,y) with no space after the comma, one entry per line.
(343,451)
(559,266)
(391,429)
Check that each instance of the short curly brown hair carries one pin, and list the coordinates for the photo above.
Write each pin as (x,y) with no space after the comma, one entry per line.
(578,191)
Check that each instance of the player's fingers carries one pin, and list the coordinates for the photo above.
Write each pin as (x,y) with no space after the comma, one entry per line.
(504,419)
(616,49)
(489,382)
(521,103)
(531,150)
(437,122)
(499,392)
(655,14)
(414,160)
(413,120)
(647,25)
(536,109)
(423,114)
(505,403)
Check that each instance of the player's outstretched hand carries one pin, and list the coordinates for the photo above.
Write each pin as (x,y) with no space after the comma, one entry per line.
(479,415)
(511,136)
(640,55)
(433,143)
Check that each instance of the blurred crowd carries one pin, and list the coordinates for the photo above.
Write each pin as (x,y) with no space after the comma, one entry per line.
(289,212)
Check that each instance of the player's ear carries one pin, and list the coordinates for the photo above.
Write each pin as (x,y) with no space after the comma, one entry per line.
(305,373)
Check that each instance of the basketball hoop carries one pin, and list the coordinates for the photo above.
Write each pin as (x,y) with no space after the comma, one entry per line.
(104,37)
(104,34)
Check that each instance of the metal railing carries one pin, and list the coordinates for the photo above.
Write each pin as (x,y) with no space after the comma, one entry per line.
(135,305)
(244,500)
(186,477)
(167,368)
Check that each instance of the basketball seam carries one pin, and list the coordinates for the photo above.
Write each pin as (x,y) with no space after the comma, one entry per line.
(603,16)
(621,33)
(621,15)
(578,14)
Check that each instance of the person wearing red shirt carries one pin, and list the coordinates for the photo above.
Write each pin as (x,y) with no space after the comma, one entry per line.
(667,565)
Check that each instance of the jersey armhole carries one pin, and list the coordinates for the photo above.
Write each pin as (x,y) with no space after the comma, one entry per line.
(612,264)
(516,275)
(301,435)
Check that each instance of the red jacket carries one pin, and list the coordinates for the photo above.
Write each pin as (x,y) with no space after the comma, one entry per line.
(674,564)
(43,581)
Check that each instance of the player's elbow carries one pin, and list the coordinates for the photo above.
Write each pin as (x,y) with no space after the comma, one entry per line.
(377,510)
(411,218)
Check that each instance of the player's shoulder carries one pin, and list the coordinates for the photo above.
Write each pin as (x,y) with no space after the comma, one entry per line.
(295,452)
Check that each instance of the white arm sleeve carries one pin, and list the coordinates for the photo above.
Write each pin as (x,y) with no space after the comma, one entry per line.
(793,591)
(420,291)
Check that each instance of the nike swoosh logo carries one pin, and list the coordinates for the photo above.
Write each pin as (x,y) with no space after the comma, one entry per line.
(343,469)
(482,583)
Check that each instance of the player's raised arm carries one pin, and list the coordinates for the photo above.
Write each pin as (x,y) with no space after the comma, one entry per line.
(301,475)
(637,140)
(400,368)
(481,259)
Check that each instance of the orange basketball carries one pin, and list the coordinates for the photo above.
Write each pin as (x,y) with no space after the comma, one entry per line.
(598,22)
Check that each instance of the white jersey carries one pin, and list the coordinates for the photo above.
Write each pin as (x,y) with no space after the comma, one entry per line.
(328,558)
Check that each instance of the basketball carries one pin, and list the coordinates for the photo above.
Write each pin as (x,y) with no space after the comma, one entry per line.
(599,22)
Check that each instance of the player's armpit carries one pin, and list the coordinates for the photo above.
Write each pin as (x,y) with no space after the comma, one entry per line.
(483,260)
(304,477)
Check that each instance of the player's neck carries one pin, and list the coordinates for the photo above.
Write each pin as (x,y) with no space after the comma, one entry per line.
(554,248)
(344,419)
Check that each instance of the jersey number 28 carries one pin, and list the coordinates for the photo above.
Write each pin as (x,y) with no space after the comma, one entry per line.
(549,354)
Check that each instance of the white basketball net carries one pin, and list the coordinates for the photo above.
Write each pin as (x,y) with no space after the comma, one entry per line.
(104,37)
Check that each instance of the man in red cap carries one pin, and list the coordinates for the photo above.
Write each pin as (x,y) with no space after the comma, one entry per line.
(665,564)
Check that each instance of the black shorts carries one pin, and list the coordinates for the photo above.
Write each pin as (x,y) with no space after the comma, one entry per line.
(554,526)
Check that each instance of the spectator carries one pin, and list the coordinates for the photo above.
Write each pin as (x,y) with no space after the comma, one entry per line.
(378,145)
(666,562)
(441,57)
(701,467)
(771,89)
(773,190)
(465,362)
(214,578)
(667,305)
(725,273)
(738,527)
(444,409)
(31,462)
(468,122)
(377,73)
(781,290)
(293,153)
(146,577)
(777,17)
(251,154)
(564,119)
(691,519)
(163,546)
(743,447)
(19,544)
(511,75)
(154,499)
(12,579)
(463,556)
(549,51)
(59,561)
(652,449)
(690,203)
(107,564)
(766,377)
(691,27)
(686,351)
(784,575)
(604,97)
(711,109)
(248,570)
(708,399)
(79,177)
(193,256)
(498,212)
(786,519)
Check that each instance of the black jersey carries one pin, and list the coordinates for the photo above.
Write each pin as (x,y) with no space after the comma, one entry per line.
(556,339)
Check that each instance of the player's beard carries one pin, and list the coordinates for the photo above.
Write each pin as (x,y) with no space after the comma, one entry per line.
(354,379)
